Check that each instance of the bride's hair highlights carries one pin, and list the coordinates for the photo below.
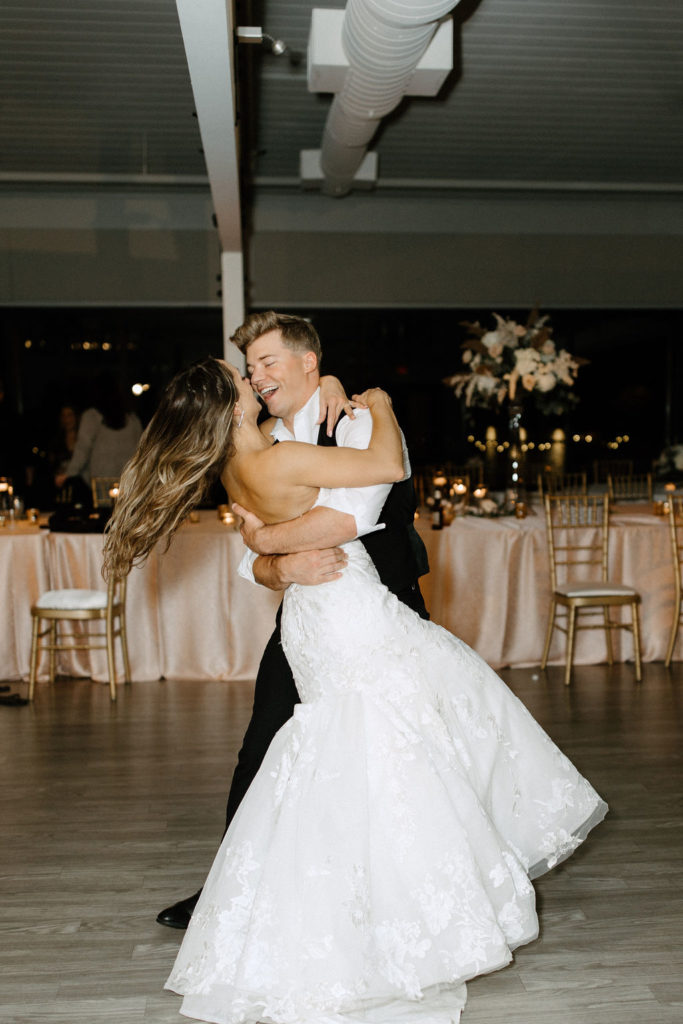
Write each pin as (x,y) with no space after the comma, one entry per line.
(180,454)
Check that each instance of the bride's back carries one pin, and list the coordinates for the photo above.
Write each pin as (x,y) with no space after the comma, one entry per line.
(261,482)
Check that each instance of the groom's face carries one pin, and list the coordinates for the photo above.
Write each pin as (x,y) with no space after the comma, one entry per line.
(282,377)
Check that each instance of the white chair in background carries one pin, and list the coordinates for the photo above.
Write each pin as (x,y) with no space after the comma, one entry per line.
(56,607)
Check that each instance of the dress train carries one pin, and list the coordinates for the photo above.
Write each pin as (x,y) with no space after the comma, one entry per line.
(383,854)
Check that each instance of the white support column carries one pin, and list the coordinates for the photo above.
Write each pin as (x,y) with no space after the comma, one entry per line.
(208,36)
(232,278)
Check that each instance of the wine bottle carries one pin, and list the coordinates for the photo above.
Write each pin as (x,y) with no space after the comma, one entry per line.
(437,511)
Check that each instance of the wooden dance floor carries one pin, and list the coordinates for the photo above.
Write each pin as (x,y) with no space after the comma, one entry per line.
(111,812)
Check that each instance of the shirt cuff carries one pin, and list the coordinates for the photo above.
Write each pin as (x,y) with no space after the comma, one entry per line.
(246,567)
(342,500)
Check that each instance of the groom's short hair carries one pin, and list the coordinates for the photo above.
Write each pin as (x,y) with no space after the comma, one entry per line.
(297,333)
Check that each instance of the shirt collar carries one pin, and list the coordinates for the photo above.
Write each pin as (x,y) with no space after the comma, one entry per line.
(305,425)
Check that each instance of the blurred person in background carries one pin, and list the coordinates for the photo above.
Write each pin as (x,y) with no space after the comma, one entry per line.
(108,434)
(62,444)
(13,456)
(52,445)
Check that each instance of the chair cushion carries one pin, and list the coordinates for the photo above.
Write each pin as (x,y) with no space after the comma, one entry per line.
(597,589)
(72,599)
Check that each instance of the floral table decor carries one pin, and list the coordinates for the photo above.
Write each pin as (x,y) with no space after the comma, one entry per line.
(508,365)
(514,361)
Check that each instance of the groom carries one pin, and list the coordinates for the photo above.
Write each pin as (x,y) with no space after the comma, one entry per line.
(283,361)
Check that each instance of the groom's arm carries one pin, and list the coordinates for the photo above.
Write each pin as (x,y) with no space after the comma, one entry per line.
(295,551)
(308,568)
(339,514)
(321,527)
(318,533)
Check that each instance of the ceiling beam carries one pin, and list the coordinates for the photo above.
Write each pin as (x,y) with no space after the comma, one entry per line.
(208,37)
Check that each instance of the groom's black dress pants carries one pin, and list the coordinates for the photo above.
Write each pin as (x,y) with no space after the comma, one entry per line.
(274,698)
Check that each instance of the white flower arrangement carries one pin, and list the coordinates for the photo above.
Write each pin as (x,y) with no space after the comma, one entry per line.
(514,359)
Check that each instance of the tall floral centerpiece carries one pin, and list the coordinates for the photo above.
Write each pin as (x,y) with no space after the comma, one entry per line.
(514,361)
(512,364)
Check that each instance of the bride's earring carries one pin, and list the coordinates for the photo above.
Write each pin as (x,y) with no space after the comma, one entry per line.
(239,424)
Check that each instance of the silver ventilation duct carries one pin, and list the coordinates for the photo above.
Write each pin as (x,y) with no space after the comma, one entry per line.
(383,41)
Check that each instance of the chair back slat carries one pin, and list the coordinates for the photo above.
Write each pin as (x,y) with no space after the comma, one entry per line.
(100,487)
(423,480)
(602,468)
(675,515)
(563,483)
(630,487)
(676,533)
(571,548)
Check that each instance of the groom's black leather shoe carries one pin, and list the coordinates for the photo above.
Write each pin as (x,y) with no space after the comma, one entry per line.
(178,916)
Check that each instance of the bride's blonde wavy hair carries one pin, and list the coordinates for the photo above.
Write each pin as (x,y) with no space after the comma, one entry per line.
(180,454)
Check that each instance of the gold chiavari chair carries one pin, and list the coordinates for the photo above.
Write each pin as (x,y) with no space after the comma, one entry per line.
(101,486)
(562,483)
(578,541)
(473,471)
(534,470)
(676,530)
(425,476)
(602,468)
(461,487)
(82,606)
(632,487)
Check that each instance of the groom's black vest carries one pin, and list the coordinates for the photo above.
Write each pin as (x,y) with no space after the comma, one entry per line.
(397,551)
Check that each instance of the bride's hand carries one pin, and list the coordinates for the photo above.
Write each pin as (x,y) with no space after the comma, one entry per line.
(371,397)
(333,402)
(252,529)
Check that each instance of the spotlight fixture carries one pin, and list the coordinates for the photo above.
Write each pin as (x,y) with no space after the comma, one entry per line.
(254,34)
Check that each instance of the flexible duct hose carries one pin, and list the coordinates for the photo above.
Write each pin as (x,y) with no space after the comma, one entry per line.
(384,41)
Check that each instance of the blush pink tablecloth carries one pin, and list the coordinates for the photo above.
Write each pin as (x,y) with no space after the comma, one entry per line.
(24,576)
(490,585)
(191,616)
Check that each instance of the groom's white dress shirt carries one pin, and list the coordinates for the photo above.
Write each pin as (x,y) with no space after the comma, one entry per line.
(363,503)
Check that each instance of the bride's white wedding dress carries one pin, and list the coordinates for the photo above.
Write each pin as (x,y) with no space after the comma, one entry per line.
(382,855)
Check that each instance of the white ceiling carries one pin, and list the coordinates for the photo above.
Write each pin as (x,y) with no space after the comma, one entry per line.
(575,93)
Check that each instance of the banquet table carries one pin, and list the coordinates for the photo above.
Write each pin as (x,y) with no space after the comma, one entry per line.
(188,613)
(490,585)
(191,616)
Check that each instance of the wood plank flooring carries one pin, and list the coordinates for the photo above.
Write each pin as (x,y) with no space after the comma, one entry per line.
(110,813)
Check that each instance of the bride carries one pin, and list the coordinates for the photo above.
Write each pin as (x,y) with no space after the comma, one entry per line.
(383,854)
